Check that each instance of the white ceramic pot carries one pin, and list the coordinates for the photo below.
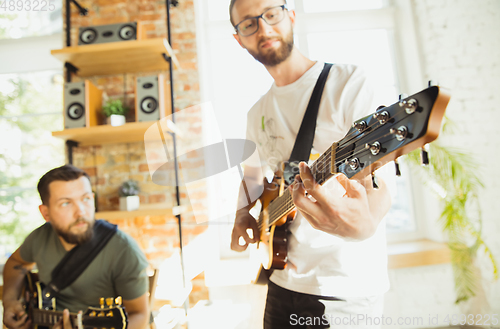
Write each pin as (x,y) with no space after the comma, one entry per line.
(116,120)
(129,203)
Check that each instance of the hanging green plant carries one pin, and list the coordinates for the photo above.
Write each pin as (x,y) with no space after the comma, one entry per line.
(452,175)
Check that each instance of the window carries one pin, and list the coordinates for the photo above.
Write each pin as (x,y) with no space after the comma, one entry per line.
(27,18)
(30,108)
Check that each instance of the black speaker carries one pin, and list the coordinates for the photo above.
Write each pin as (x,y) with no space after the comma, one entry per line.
(110,33)
(82,101)
(152,101)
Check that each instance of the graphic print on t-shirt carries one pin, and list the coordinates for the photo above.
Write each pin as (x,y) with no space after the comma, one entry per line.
(268,140)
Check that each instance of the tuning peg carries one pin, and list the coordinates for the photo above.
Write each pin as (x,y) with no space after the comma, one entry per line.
(400,133)
(109,301)
(101,302)
(374,181)
(410,105)
(396,164)
(359,126)
(118,300)
(374,148)
(353,163)
(424,156)
(382,117)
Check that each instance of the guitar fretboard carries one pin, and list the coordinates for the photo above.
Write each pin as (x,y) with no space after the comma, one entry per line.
(50,318)
(281,206)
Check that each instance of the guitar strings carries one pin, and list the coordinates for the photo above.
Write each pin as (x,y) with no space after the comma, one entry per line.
(287,201)
(324,161)
(277,207)
(374,123)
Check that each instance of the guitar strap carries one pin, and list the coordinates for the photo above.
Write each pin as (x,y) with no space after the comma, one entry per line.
(304,140)
(77,259)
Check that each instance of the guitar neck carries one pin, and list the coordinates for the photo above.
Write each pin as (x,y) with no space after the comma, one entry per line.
(321,171)
(373,141)
(50,318)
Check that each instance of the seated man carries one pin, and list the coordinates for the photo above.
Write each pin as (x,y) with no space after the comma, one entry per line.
(119,269)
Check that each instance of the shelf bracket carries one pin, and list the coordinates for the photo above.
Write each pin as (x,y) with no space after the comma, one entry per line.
(70,68)
(166,57)
(70,144)
(83,11)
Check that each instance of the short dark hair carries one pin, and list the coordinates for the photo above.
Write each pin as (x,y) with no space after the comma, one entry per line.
(65,173)
(231,5)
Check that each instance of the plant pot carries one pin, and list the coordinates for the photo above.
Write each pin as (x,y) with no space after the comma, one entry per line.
(116,120)
(129,203)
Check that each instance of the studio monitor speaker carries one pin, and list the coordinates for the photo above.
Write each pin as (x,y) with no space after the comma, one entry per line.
(110,33)
(152,99)
(82,101)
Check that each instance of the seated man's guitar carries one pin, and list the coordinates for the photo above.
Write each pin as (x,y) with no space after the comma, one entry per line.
(372,142)
(42,311)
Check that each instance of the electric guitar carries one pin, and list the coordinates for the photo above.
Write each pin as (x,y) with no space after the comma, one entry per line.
(41,310)
(372,141)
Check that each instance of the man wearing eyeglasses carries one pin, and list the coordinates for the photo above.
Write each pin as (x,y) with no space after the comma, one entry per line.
(336,271)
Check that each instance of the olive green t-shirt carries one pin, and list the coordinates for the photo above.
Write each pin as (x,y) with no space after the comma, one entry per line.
(118,270)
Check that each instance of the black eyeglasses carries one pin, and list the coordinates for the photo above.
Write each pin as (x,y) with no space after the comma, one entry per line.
(272,16)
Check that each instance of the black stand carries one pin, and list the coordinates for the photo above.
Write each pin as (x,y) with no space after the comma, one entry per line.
(70,68)
(174,3)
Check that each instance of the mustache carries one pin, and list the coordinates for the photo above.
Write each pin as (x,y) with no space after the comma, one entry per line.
(265,39)
(81,220)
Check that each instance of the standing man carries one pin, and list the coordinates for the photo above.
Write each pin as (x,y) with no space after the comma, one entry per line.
(336,272)
(119,269)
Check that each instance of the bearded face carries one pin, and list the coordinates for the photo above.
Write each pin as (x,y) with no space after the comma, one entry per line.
(273,57)
(79,232)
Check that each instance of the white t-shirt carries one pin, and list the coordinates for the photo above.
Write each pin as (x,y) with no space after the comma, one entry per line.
(320,263)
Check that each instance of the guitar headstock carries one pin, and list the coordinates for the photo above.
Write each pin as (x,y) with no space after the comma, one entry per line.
(390,132)
(110,314)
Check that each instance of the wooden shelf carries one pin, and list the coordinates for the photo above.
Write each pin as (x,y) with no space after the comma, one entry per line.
(118,57)
(111,215)
(106,134)
(417,253)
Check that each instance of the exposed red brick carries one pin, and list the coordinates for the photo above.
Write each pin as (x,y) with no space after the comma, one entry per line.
(143,167)
(157,198)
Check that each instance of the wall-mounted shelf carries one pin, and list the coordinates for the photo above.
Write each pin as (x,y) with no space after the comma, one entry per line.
(111,215)
(155,209)
(106,134)
(118,57)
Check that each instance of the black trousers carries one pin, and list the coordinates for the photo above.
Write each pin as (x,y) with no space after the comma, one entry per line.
(290,309)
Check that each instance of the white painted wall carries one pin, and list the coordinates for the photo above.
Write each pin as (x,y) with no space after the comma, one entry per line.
(459,44)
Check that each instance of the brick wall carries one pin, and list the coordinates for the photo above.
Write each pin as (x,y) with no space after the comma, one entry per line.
(459,42)
(110,165)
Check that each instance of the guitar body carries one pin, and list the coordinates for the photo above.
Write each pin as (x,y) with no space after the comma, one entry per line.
(42,311)
(34,297)
(272,247)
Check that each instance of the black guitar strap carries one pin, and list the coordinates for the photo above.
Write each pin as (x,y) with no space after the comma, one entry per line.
(77,259)
(302,147)
(305,137)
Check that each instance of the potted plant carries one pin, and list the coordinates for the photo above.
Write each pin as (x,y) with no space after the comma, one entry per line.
(115,111)
(129,195)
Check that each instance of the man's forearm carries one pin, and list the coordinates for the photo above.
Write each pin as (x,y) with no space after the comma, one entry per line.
(138,320)
(13,277)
